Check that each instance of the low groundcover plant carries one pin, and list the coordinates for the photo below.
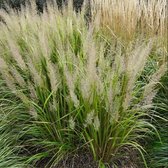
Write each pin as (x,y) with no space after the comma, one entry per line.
(80,90)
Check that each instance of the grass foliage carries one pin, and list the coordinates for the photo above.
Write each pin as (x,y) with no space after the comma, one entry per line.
(67,86)
(157,150)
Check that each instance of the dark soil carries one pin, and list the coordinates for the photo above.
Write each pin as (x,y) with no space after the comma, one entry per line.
(130,159)
(80,160)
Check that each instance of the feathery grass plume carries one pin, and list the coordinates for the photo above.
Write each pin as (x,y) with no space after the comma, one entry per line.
(149,92)
(20,80)
(71,86)
(10,82)
(72,123)
(82,86)
(135,63)
(89,118)
(15,53)
(96,123)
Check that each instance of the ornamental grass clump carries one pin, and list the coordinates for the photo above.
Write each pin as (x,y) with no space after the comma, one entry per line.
(80,90)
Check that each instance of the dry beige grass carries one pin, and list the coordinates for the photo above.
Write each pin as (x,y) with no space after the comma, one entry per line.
(127,17)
